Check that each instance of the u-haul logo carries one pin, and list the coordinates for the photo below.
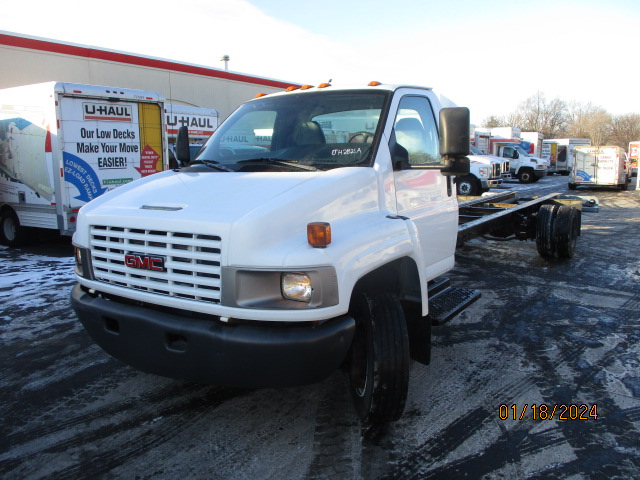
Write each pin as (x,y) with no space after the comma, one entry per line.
(144,262)
(107,111)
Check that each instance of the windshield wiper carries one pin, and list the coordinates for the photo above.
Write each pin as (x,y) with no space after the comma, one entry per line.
(212,164)
(279,161)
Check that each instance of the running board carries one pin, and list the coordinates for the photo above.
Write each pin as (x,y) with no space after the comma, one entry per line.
(445,301)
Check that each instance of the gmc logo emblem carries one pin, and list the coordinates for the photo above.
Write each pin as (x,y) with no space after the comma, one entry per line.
(144,262)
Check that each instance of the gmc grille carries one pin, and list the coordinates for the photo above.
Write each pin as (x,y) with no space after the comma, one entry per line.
(191,261)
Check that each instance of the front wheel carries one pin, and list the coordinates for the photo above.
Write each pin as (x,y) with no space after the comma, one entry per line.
(526,175)
(379,358)
(468,185)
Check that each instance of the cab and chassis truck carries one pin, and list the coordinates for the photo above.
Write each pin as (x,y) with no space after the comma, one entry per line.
(310,234)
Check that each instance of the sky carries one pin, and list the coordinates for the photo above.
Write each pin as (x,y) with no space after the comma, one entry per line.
(489,57)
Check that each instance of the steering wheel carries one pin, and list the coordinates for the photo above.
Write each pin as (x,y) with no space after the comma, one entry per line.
(355,138)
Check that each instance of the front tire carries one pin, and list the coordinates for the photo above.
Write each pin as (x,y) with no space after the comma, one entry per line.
(526,175)
(379,359)
(468,185)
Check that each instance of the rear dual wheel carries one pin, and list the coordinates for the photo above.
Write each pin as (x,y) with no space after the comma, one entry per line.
(557,230)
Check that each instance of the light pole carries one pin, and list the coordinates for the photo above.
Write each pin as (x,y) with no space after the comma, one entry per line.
(225,59)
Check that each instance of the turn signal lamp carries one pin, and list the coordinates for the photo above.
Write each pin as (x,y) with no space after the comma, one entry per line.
(374,83)
(319,234)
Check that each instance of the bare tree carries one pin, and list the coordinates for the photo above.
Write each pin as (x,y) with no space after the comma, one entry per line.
(536,114)
(624,129)
(494,121)
(589,121)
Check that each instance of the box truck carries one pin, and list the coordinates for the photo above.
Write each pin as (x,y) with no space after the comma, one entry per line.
(534,140)
(200,123)
(565,155)
(65,144)
(634,155)
(594,166)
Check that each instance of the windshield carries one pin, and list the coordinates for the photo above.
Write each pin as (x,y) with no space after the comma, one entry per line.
(312,131)
(521,151)
(475,150)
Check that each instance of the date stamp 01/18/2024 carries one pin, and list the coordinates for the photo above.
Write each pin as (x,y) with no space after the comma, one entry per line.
(543,411)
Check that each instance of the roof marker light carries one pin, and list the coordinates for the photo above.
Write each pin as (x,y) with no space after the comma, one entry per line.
(291,88)
(374,83)
(261,95)
(306,87)
(324,85)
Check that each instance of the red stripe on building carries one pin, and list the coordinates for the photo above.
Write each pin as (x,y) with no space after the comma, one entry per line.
(97,54)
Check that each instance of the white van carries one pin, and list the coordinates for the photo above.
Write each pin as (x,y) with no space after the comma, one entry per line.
(600,166)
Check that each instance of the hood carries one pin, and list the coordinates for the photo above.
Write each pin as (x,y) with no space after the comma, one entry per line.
(483,159)
(247,209)
(220,195)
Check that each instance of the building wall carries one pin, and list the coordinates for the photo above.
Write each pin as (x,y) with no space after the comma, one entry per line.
(25,60)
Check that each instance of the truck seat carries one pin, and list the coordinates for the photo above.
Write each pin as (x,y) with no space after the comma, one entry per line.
(309,133)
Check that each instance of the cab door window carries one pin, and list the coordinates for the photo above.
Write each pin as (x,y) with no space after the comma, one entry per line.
(416,131)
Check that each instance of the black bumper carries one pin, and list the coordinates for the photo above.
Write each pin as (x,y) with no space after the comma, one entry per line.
(208,351)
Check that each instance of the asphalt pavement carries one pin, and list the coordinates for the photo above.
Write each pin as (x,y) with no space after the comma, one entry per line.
(539,379)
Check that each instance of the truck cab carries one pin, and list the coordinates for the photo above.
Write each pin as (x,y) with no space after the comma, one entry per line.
(525,167)
(303,237)
(485,172)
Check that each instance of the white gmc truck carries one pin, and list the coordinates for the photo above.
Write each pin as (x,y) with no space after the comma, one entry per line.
(307,235)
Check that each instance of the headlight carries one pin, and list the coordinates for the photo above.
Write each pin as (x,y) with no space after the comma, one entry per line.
(296,286)
(78,256)
(484,171)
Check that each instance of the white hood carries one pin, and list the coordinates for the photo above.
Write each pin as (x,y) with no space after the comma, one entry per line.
(252,209)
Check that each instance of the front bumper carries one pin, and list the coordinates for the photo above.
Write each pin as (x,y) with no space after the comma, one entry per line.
(247,355)
(491,182)
(540,173)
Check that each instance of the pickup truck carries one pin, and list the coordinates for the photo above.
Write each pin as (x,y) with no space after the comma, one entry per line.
(524,167)
(485,172)
(309,234)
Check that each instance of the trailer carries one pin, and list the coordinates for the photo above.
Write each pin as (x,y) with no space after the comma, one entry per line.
(65,144)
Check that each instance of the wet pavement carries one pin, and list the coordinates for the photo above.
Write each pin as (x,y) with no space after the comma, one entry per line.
(538,379)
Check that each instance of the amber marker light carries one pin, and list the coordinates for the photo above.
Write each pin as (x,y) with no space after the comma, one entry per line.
(306,87)
(374,84)
(324,85)
(261,95)
(318,234)
(291,88)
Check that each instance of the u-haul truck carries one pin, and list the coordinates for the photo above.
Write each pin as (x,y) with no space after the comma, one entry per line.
(64,144)
(200,123)
(606,166)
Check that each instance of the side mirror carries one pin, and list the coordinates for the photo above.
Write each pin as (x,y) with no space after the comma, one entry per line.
(182,146)
(515,155)
(454,140)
